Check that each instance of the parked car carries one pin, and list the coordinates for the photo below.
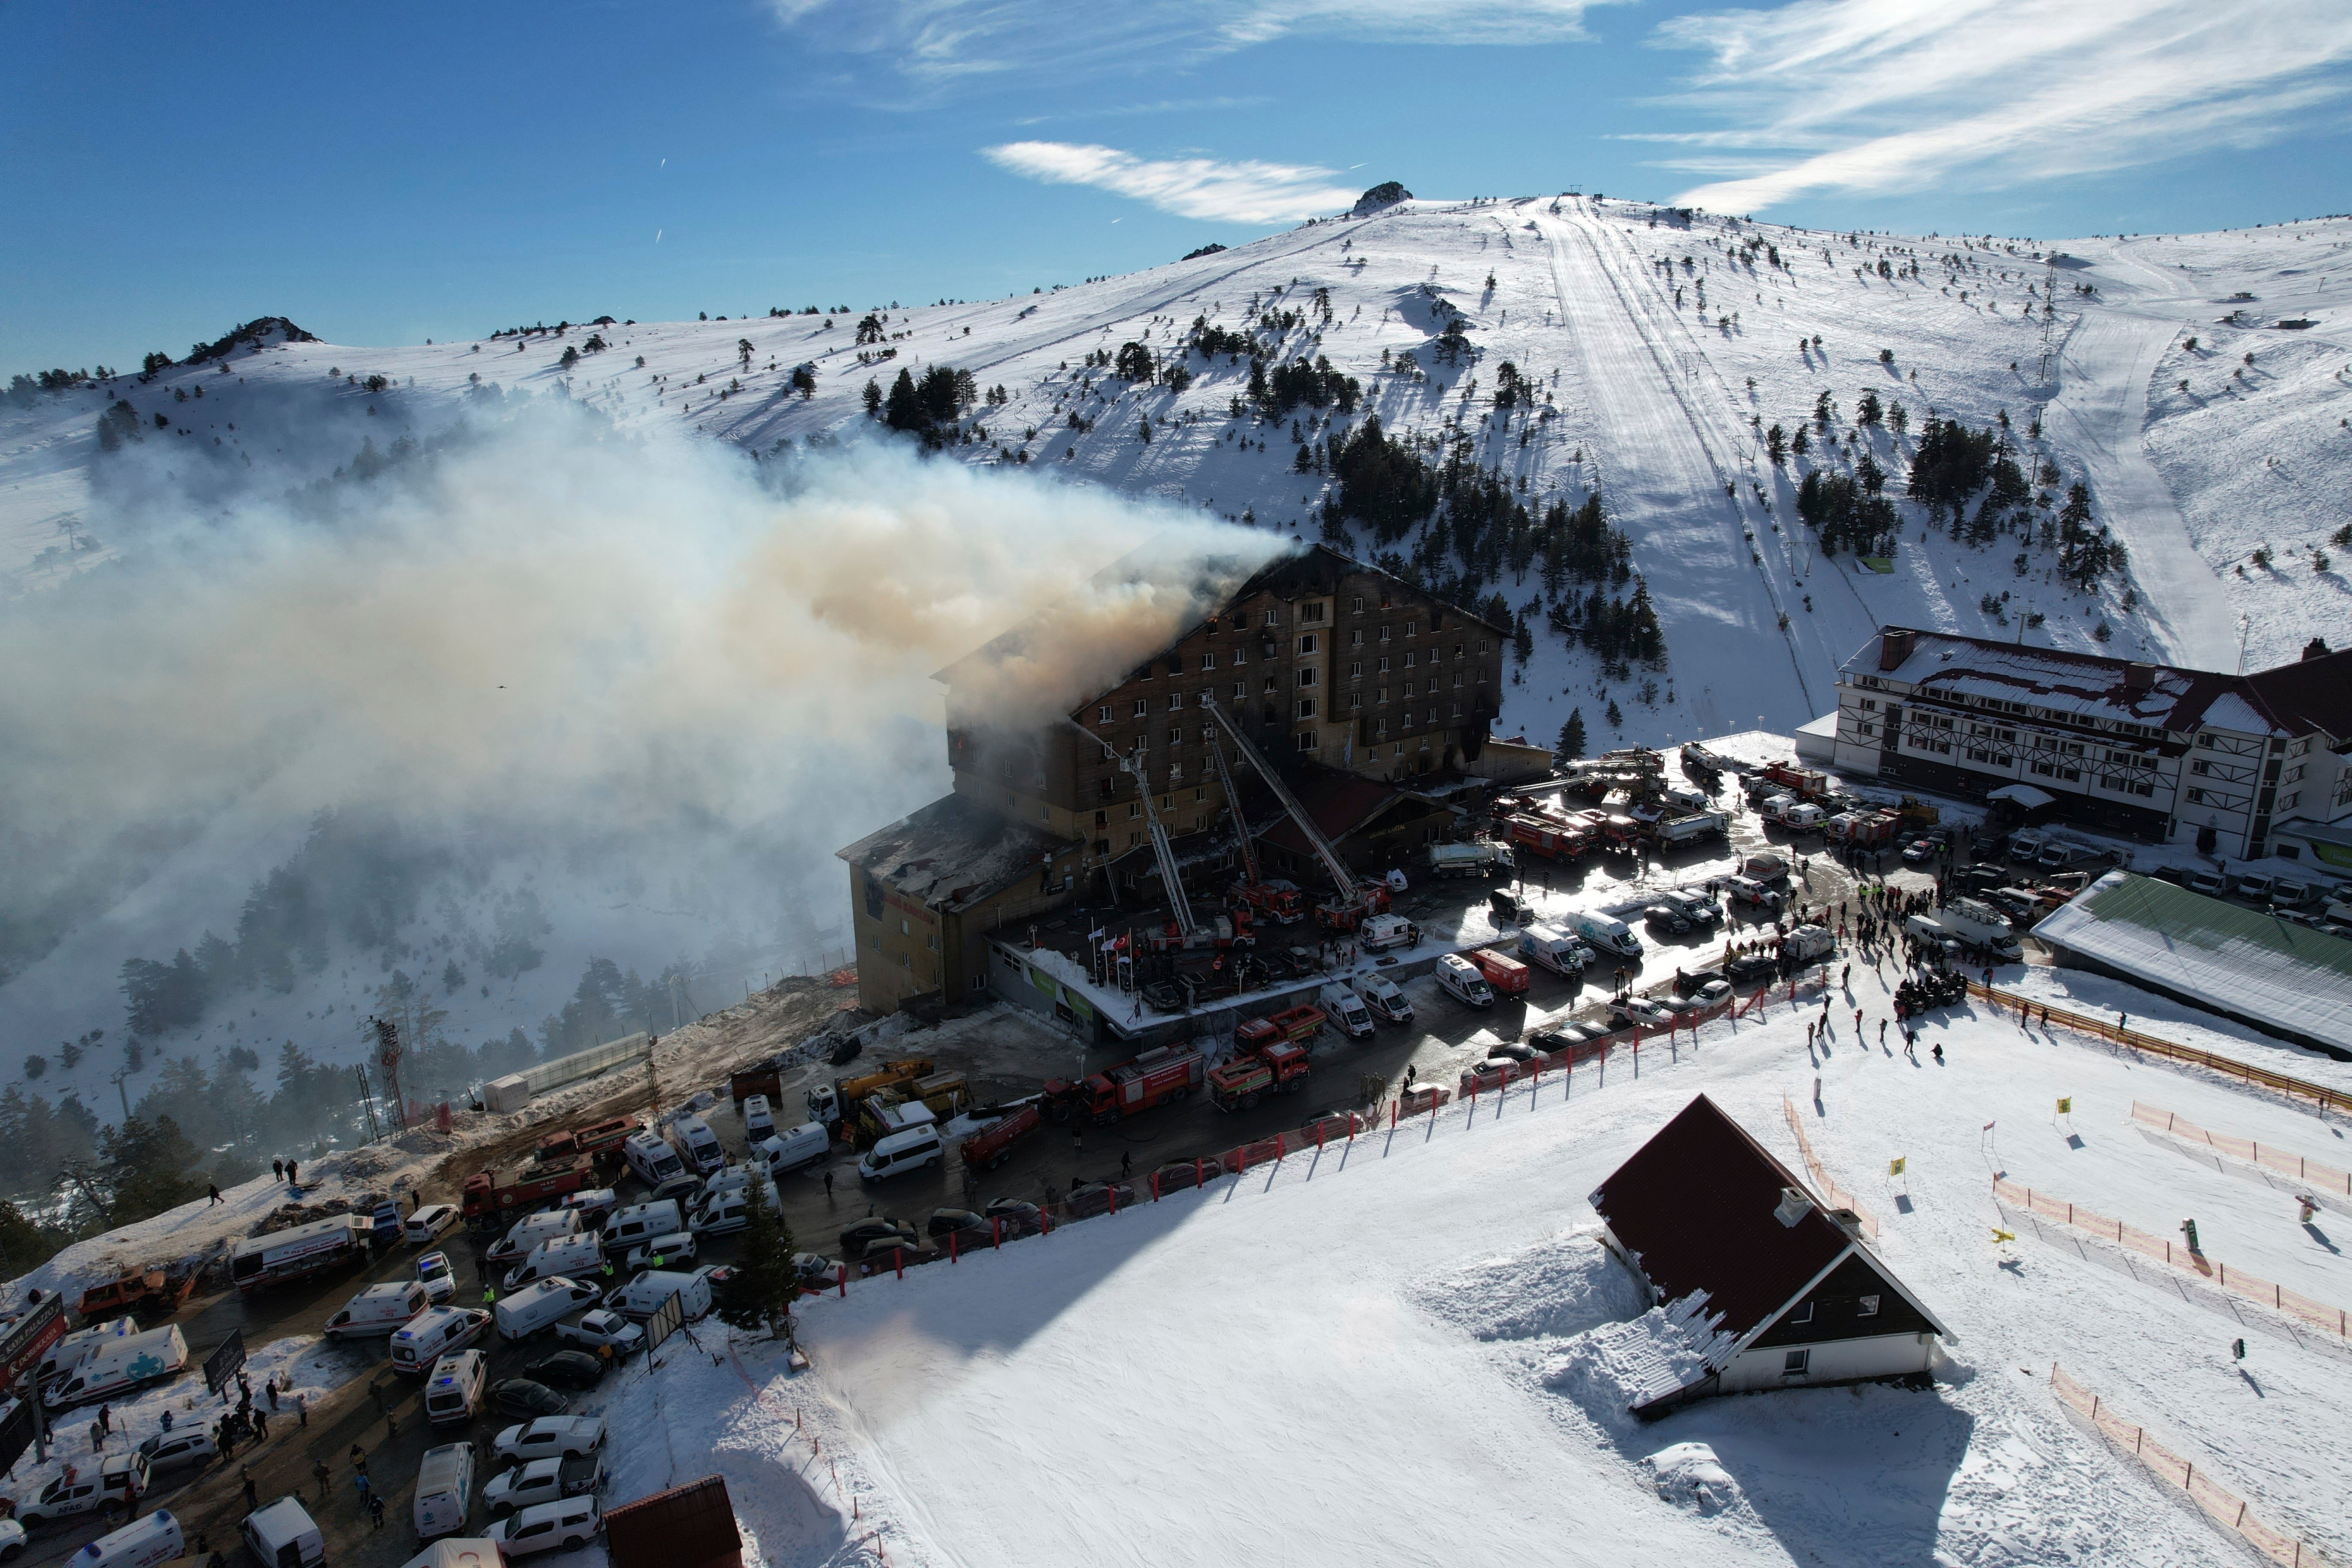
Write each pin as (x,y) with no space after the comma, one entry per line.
(2212,884)
(182,1446)
(601,1329)
(1642,1010)
(945,1222)
(522,1396)
(815,1269)
(862,1233)
(1559,1038)
(434,1273)
(1017,1216)
(683,1190)
(556,1435)
(1750,966)
(1178,1175)
(1098,1198)
(1514,1050)
(568,1525)
(1507,906)
(568,1369)
(429,1222)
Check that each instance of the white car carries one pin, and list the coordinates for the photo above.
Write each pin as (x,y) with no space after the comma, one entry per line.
(551,1436)
(183,1445)
(566,1525)
(599,1330)
(429,1222)
(1642,1010)
(434,1272)
(12,1540)
(541,1481)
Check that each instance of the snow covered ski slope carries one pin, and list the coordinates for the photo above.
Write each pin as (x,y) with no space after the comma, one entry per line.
(1658,381)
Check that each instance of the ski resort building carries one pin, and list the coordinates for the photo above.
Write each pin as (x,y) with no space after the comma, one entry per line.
(1372,697)
(1769,1290)
(2144,751)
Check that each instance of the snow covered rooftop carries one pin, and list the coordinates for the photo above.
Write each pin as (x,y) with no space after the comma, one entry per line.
(2314,693)
(2241,962)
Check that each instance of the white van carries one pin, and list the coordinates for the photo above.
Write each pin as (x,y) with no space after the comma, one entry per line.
(697,1145)
(282,1536)
(1380,994)
(530,1231)
(1613,937)
(641,1222)
(434,1333)
(575,1254)
(1459,978)
(654,1160)
(2255,887)
(81,1345)
(143,1544)
(1551,946)
(429,1222)
(912,1149)
(759,1121)
(445,1489)
(378,1310)
(1802,818)
(726,1212)
(803,1145)
(1347,1009)
(643,1297)
(537,1304)
(120,1364)
(594,1206)
(457,1552)
(454,1391)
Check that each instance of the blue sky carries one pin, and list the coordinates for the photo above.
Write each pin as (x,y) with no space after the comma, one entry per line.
(386,175)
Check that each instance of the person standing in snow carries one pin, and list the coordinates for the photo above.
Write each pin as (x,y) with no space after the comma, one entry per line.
(212,1192)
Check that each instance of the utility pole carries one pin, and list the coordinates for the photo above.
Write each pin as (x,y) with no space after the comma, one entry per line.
(2049,313)
(121,1075)
(367,1101)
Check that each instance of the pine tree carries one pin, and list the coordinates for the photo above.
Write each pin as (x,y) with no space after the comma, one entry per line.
(1571,736)
(761,1292)
(1616,715)
(873,396)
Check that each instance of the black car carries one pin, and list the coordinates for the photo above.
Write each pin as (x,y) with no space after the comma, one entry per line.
(1506,905)
(1667,918)
(571,1369)
(1687,985)
(1176,1175)
(846,1052)
(1161,997)
(520,1397)
(1091,1198)
(1016,1216)
(1516,1051)
(857,1237)
(683,1189)
(944,1221)
(1750,967)
(1551,1042)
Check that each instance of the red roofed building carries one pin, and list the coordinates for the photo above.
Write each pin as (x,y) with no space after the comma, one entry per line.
(1789,1294)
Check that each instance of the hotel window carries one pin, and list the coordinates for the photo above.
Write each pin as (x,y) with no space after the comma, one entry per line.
(1208,661)
(1356,669)
(1383,666)
(1305,675)
(1142,706)
(1102,714)
(1310,643)
(1356,605)
(1410,660)
(1306,708)
(1356,700)
(1313,614)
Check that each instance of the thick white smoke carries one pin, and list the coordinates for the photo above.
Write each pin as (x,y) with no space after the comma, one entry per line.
(552,639)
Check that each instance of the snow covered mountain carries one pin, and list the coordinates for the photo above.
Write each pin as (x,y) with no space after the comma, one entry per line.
(1689,370)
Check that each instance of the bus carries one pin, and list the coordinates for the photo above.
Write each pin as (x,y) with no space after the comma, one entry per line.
(264,1260)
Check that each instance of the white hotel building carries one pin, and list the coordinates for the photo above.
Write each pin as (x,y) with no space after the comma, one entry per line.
(2241,765)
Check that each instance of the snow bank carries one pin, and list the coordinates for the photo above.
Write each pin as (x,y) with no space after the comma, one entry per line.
(1560,1287)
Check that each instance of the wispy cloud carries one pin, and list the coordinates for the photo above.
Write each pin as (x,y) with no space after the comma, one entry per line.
(1876,97)
(941,41)
(1246,192)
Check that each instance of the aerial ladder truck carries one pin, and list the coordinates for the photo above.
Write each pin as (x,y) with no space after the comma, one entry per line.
(1185,930)
(1355,899)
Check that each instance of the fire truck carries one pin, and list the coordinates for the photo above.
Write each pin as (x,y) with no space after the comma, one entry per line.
(1550,840)
(993,1144)
(1162,1074)
(1296,1025)
(490,1192)
(1274,899)
(1272,1066)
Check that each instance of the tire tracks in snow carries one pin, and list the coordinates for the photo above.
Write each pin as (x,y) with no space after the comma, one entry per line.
(1644,405)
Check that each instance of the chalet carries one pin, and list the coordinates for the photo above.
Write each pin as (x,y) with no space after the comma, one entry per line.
(1777,1291)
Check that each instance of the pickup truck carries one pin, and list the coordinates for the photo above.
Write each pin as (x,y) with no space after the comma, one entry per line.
(543,1480)
(600,1330)
(551,1436)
